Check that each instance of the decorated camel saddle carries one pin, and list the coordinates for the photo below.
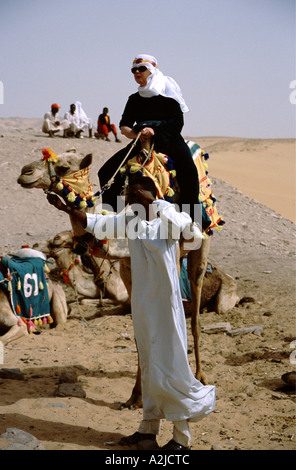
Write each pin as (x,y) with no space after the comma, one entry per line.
(160,168)
(23,278)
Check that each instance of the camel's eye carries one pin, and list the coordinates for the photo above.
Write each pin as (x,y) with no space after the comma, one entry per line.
(28,171)
(62,170)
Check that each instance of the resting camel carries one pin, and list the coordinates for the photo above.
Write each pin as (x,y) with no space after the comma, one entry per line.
(218,289)
(90,277)
(15,328)
(41,174)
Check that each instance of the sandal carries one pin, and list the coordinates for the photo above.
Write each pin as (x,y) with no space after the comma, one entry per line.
(136,438)
(173,445)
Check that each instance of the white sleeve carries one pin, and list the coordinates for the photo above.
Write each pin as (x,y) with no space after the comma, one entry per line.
(170,216)
(177,223)
(107,226)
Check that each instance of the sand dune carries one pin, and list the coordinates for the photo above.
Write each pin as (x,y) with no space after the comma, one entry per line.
(263,169)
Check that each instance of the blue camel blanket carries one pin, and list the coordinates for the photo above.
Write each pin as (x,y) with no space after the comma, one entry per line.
(25,283)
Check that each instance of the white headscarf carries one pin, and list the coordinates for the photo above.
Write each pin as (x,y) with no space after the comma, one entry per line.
(81,114)
(157,83)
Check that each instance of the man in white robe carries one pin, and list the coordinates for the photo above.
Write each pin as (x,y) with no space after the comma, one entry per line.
(169,388)
(78,122)
(52,124)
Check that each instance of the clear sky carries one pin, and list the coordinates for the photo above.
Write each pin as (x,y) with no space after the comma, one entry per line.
(233,59)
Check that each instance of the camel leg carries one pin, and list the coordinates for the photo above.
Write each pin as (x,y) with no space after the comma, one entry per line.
(197,266)
(58,304)
(9,321)
(14,333)
(135,400)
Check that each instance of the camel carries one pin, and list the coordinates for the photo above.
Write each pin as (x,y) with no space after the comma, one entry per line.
(48,177)
(14,327)
(88,279)
(218,289)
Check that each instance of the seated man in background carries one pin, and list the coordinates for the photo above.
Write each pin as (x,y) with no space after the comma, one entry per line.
(52,123)
(104,126)
(78,122)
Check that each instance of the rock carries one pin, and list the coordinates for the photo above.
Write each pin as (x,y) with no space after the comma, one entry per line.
(68,376)
(217,328)
(17,439)
(70,390)
(245,300)
(290,379)
(216,446)
(256,330)
(14,374)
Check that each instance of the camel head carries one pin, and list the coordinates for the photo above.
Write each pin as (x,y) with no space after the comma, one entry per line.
(36,174)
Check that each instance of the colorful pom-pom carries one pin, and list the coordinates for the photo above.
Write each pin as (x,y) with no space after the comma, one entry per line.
(71,196)
(170,192)
(83,203)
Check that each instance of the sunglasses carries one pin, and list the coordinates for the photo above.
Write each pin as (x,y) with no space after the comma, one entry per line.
(141,69)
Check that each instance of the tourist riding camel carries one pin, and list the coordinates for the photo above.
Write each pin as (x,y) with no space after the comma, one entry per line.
(156,110)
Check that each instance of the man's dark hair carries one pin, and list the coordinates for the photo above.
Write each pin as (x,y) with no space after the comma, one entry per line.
(145,182)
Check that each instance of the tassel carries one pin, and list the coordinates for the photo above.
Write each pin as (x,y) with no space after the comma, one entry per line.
(123,170)
(71,196)
(31,326)
(89,202)
(46,268)
(60,186)
(19,284)
(173,173)
(41,286)
(66,277)
(18,309)
(170,192)
(104,212)
(66,189)
(39,322)
(83,204)
(50,320)
(44,321)
(134,169)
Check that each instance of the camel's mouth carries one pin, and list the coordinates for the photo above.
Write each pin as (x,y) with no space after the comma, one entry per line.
(26,185)
(31,178)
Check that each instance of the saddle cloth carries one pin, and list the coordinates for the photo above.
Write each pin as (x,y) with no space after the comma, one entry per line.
(160,169)
(24,281)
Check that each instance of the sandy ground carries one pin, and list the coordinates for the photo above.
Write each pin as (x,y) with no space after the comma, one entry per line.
(254,410)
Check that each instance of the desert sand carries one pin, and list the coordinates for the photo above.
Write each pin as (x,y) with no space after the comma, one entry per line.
(254,183)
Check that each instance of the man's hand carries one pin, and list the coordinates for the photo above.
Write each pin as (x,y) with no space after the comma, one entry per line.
(147,132)
(54,200)
(77,216)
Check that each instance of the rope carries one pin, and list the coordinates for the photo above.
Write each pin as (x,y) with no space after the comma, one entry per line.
(111,180)
(148,157)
